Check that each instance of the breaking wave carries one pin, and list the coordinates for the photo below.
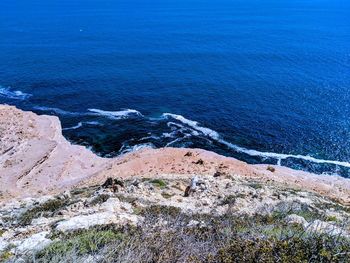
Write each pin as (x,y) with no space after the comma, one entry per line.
(123,114)
(282,156)
(116,115)
(251,152)
(137,147)
(13,94)
(80,124)
(193,124)
(59,111)
(182,126)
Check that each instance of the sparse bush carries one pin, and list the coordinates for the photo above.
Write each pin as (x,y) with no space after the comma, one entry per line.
(50,206)
(166,236)
(159,210)
(5,255)
(332,218)
(229,200)
(99,199)
(85,242)
(271,169)
(255,185)
(166,195)
(158,183)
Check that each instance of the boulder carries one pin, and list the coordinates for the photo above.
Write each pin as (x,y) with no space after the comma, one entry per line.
(33,243)
(322,227)
(102,218)
(295,219)
(115,206)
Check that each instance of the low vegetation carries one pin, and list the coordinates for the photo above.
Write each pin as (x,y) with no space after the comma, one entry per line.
(79,243)
(99,199)
(168,235)
(49,206)
(158,183)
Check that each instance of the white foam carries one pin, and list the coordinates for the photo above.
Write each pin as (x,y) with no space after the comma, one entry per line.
(59,111)
(92,123)
(195,128)
(195,125)
(171,124)
(80,124)
(123,114)
(13,94)
(154,137)
(174,141)
(278,156)
(137,147)
(281,156)
(169,134)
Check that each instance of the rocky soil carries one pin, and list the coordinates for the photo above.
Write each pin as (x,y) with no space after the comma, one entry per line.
(30,225)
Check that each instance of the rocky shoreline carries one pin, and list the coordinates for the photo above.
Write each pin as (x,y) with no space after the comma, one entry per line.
(36,159)
(62,203)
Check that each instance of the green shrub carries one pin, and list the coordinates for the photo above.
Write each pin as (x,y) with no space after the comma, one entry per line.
(229,200)
(160,210)
(5,255)
(227,238)
(255,185)
(83,243)
(99,199)
(158,183)
(295,249)
(332,218)
(167,195)
(50,206)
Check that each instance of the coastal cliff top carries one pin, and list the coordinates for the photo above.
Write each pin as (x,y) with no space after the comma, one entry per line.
(36,159)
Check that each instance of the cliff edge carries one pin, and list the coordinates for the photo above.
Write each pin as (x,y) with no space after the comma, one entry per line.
(36,159)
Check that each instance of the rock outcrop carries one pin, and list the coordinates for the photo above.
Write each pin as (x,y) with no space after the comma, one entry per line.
(31,224)
(35,159)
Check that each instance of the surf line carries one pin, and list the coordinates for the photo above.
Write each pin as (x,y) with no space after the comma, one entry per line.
(282,156)
(279,156)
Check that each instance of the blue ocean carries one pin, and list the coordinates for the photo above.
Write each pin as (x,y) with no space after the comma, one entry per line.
(264,81)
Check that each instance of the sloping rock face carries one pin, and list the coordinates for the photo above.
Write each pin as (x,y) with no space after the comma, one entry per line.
(35,157)
(188,162)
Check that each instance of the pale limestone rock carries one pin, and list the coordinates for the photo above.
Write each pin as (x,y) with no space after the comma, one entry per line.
(193,223)
(115,206)
(295,219)
(33,243)
(3,244)
(102,218)
(42,221)
(322,227)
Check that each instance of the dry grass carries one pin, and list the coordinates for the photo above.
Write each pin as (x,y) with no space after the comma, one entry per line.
(166,236)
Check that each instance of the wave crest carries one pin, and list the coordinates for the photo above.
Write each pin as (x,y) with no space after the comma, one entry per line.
(80,124)
(194,125)
(13,94)
(123,114)
(58,111)
(179,123)
(137,147)
(251,152)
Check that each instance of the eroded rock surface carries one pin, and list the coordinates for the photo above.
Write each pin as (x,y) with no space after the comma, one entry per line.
(35,159)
